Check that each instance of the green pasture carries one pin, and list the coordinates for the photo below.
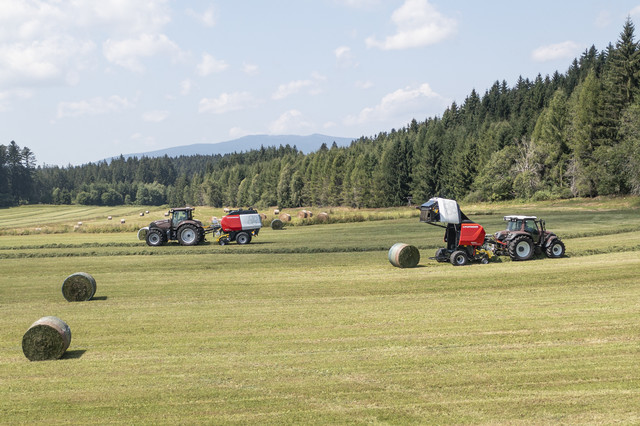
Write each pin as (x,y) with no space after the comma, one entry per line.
(312,324)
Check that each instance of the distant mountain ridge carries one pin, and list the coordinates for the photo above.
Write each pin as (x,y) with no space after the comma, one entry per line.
(306,144)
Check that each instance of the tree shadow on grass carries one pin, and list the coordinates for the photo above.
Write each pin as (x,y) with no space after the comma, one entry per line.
(99,298)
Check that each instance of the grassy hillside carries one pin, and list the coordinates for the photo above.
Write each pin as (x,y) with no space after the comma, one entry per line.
(312,324)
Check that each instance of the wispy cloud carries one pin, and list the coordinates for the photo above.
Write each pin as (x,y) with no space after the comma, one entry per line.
(227,102)
(291,121)
(551,52)
(155,116)
(94,106)
(210,65)
(402,104)
(311,86)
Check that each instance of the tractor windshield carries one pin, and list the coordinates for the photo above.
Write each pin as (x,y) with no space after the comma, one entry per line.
(179,216)
(514,225)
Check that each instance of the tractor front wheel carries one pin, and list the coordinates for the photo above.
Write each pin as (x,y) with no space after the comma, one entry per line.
(521,248)
(188,235)
(155,238)
(459,258)
(555,249)
(243,238)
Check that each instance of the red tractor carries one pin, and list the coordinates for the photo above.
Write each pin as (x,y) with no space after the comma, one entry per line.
(238,225)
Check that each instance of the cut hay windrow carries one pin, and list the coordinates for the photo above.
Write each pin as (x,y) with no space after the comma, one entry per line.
(404,255)
(79,287)
(276,224)
(46,339)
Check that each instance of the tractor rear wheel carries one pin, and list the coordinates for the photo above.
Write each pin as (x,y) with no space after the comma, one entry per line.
(555,249)
(459,258)
(243,238)
(155,238)
(188,235)
(521,248)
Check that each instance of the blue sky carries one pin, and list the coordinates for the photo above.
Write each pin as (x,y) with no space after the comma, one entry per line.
(84,80)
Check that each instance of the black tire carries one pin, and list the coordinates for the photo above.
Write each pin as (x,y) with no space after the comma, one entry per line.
(555,249)
(188,235)
(441,255)
(521,248)
(155,238)
(459,258)
(243,238)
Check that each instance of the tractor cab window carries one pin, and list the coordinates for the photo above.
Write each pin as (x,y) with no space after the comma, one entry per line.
(530,226)
(514,225)
(178,217)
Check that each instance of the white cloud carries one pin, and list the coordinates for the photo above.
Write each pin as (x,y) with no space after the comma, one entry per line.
(237,132)
(7,96)
(227,102)
(147,141)
(635,11)
(155,116)
(344,57)
(51,41)
(209,65)
(185,87)
(128,53)
(296,86)
(207,18)
(367,84)
(418,24)
(564,50)
(56,59)
(291,121)
(94,106)
(403,104)
(250,69)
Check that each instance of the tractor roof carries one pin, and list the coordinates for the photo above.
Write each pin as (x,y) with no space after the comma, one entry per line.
(179,209)
(515,217)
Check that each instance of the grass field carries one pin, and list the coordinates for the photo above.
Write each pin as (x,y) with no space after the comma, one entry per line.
(312,324)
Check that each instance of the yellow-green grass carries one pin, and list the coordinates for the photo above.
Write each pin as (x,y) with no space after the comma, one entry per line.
(332,337)
(300,327)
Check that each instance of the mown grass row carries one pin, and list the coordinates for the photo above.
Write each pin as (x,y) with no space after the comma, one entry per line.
(326,338)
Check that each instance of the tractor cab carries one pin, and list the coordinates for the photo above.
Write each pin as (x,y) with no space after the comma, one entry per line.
(530,225)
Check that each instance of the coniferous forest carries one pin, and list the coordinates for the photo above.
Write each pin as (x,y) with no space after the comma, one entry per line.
(572,134)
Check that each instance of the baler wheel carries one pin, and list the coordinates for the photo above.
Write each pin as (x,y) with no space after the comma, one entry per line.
(459,258)
(243,238)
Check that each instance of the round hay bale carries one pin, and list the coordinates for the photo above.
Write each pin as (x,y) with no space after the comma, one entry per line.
(47,338)
(142,233)
(276,211)
(79,223)
(323,217)
(122,221)
(302,214)
(79,287)
(166,214)
(146,211)
(109,218)
(285,217)
(226,210)
(263,216)
(309,213)
(404,255)
(276,224)
(141,214)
